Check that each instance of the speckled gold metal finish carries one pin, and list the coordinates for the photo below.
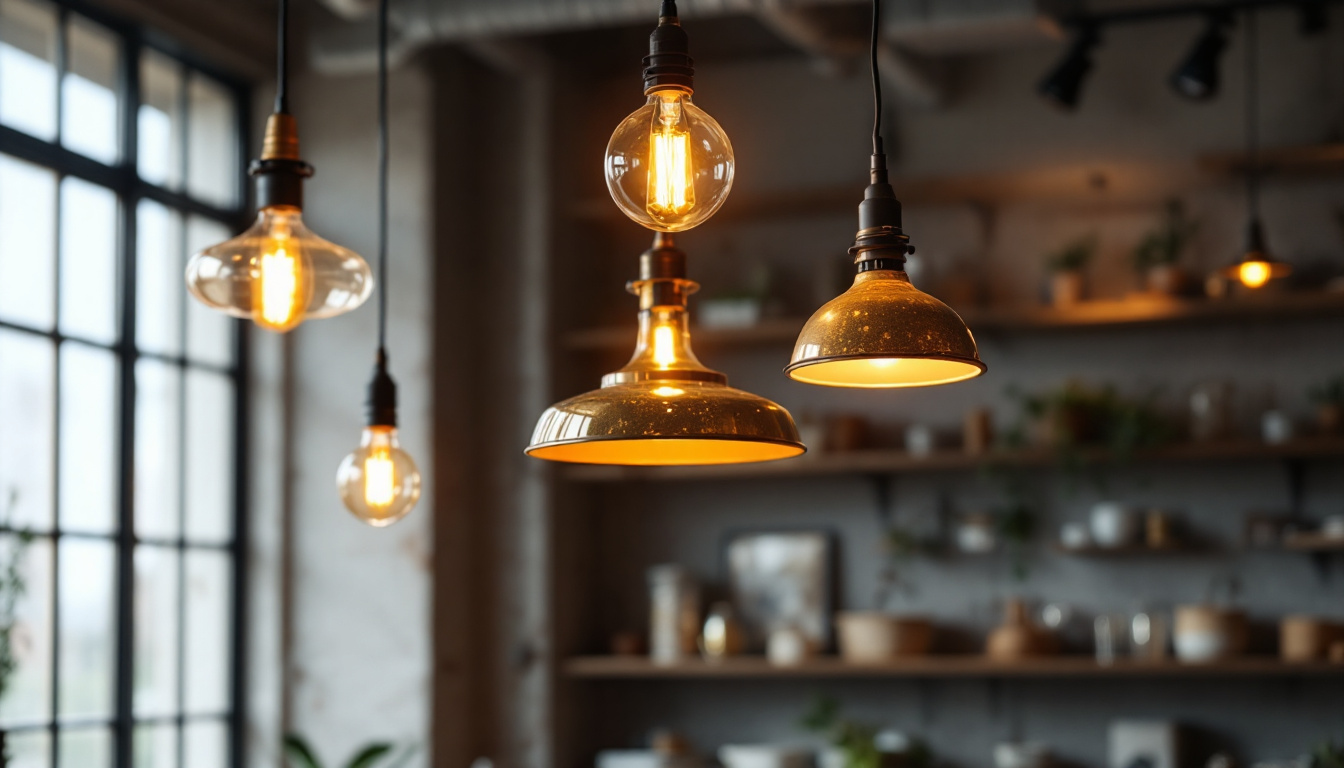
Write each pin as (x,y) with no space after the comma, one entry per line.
(884,332)
(664,407)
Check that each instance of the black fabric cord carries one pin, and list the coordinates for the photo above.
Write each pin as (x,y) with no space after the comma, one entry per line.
(1252,118)
(877,80)
(282,60)
(382,177)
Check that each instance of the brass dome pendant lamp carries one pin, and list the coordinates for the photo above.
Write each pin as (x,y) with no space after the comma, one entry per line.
(883,332)
(664,407)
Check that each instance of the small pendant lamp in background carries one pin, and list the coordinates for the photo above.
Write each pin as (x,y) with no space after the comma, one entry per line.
(1257,266)
(378,481)
(278,273)
(669,166)
(883,331)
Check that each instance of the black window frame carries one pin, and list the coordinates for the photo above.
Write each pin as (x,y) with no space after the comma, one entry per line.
(122,178)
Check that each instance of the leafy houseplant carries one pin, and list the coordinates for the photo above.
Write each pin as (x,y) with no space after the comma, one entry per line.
(12,587)
(857,742)
(1157,256)
(1066,270)
(1328,755)
(300,754)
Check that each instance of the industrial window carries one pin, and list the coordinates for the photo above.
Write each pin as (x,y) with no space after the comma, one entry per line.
(121,399)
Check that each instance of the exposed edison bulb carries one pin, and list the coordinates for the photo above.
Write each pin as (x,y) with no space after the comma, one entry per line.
(1253,274)
(379,482)
(278,273)
(669,165)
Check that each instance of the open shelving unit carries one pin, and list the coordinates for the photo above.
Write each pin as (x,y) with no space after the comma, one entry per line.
(634,668)
(1136,310)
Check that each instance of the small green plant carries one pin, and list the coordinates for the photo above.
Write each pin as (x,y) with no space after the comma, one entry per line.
(13,585)
(1017,525)
(300,754)
(1329,392)
(1165,245)
(858,741)
(1328,755)
(1072,257)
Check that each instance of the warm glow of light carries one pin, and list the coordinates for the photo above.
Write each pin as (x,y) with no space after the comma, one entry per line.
(670,190)
(1254,274)
(884,362)
(668,391)
(379,477)
(276,291)
(664,345)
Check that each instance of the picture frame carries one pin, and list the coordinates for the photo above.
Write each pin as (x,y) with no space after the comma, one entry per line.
(782,578)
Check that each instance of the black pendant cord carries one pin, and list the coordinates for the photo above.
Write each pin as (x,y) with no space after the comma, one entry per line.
(382,389)
(382,178)
(877,80)
(282,60)
(1252,117)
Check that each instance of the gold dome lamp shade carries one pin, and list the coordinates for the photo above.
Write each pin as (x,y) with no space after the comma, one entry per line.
(883,332)
(664,408)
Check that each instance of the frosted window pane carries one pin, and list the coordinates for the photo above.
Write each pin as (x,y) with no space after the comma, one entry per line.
(28,31)
(27,411)
(88,439)
(89,97)
(88,633)
(27,243)
(89,273)
(160,289)
(208,639)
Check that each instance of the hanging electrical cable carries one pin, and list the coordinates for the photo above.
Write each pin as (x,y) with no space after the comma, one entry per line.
(379,482)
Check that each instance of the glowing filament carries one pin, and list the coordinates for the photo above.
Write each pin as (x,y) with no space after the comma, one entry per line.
(379,478)
(1254,274)
(670,192)
(278,288)
(664,345)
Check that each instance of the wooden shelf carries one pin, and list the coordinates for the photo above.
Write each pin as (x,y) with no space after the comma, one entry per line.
(748,667)
(1313,542)
(1314,159)
(900,462)
(1137,310)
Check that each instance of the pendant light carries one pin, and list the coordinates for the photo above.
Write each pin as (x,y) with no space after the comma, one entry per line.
(378,481)
(669,166)
(1257,266)
(278,273)
(883,331)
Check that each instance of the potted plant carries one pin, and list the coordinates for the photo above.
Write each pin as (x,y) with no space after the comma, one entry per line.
(300,754)
(1329,400)
(1157,256)
(858,745)
(1065,266)
(868,637)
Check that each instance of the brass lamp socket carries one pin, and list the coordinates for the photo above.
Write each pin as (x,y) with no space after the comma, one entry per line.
(382,395)
(663,269)
(669,66)
(880,242)
(280,173)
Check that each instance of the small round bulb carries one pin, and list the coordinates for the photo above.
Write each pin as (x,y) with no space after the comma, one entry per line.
(278,273)
(379,482)
(669,166)
(1253,274)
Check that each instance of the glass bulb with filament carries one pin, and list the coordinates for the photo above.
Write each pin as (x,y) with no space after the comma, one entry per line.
(1253,274)
(278,273)
(669,166)
(379,482)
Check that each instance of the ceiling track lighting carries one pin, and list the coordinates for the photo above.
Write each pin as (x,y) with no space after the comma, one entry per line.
(278,273)
(1063,85)
(883,332)
(669,166)
(1257,265)
(378,481)
(1197,77)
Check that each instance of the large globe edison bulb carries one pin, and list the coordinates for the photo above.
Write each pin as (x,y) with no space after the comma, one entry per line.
(669,165)
(379,482)
(278,273)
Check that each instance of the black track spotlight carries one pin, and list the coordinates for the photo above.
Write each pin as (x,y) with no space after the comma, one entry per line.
(1064,83)
(1197,77)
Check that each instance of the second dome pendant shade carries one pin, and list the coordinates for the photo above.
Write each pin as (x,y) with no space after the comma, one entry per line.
(883,332)
(664,407)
